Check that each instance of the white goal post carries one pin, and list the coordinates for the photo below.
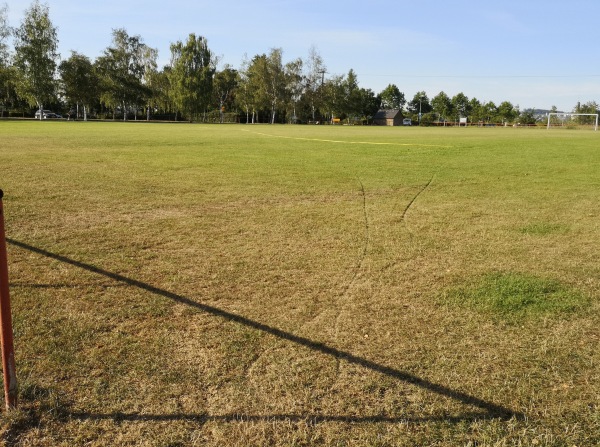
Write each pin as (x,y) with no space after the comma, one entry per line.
(563,116)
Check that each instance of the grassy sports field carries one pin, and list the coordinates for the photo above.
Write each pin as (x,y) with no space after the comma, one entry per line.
(190,285)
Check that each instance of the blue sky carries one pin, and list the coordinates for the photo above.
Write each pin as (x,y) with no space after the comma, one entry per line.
(532,53)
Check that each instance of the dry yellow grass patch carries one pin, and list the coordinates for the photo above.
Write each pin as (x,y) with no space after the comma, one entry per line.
(199,285)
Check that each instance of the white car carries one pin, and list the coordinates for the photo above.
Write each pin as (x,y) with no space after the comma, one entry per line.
(46,114)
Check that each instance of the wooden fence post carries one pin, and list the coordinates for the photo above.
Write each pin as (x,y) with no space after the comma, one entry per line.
(8,352)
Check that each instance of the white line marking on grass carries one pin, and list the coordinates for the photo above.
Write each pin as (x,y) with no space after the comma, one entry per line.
(345,142)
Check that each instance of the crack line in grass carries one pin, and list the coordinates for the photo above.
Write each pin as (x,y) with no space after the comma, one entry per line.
(403,216)
(358,267)
(365,249)
(493,410)
(382,143)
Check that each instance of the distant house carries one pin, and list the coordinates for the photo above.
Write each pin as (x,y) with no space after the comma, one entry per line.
(390,117)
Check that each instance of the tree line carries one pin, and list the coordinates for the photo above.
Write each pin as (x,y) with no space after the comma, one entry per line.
(125,82)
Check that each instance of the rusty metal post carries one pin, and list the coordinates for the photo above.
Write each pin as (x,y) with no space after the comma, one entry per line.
(8,351)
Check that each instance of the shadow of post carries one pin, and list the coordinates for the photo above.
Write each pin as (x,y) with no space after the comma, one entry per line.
(490,409)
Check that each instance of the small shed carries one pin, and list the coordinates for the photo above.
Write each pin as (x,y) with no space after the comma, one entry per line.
(389,117)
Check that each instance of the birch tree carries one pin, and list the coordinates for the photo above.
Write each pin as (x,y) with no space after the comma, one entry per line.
(294,84)
(267,82)
(334,98)
(36,56)
(122,68)
(4,35)
(245,94)
(314,79)
(79,81)
(5,67)
(224,86)
(191,75)
(442,105)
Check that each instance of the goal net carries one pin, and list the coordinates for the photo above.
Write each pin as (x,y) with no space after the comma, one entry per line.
(572,120)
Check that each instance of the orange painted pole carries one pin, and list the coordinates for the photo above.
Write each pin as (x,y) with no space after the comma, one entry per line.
(8,351)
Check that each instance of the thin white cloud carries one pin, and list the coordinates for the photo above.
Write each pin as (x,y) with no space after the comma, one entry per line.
(506,21)
(373,39)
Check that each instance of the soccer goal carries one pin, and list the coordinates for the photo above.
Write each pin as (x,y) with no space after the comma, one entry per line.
(557,119)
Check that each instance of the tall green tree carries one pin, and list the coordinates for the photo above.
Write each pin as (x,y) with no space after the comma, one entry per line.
(79,81)
(369,103)
(314,79)
(274,81)
(122,70)
(5,66)
(507,112)
(245,97)
(489,111)
(258,83)
(527,117)
(267,81)
(419,105)
(149,76)
(36,56)
(588,107)
(191,75)
(4,35)
(224,86)
(352,96)
(477,112)
(461,105)
(334,96)
(294,85)
(160,91)
(442,105)
(392,98)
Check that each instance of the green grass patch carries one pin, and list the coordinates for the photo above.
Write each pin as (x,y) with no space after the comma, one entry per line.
(544,228)
(515,297)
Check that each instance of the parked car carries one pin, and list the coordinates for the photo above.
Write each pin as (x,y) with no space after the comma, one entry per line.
(47,114)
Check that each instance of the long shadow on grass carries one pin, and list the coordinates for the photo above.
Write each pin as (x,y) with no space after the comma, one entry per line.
(491,409)
(309,419)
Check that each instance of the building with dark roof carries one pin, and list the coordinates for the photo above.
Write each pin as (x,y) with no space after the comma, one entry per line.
(390,117)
